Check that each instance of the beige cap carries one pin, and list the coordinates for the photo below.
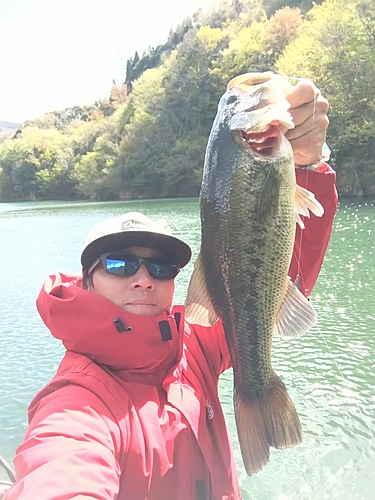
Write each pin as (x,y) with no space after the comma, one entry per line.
(133,229)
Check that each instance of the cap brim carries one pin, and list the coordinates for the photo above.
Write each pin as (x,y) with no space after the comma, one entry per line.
(169,246)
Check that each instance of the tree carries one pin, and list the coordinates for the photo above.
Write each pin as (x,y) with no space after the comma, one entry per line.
(271,6)
(117,95)
(93,168)
(247,51)
(36,165)
(282,28)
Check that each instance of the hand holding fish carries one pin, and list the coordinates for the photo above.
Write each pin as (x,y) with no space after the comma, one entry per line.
(309,112)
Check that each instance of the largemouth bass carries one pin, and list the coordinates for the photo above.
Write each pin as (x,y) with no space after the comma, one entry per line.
(250,204)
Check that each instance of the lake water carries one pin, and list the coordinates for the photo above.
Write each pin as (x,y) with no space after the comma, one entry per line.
(330,372)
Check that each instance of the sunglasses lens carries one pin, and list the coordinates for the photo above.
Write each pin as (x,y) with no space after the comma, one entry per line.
(162,270)
(127,265)
(117,266)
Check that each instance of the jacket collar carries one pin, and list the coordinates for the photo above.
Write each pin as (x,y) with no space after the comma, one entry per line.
(90,324)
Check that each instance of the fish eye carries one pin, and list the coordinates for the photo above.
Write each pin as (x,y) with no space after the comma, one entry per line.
(231,99)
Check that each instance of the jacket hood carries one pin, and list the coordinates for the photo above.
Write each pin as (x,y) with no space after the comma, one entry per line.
(90,324)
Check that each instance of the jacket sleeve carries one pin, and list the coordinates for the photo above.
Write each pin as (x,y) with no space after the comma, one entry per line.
(311,243)
(69,450)
(213,344)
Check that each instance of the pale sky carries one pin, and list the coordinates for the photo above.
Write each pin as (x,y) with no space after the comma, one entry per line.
(60,53)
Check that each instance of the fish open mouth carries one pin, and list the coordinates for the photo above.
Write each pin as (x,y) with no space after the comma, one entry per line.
(265,142)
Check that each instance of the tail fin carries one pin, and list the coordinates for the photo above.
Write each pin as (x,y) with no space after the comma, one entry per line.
(273,421)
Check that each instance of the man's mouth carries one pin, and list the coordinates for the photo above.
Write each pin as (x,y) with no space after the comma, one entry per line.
(140,302)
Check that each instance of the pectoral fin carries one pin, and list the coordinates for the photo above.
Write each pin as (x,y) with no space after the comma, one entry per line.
(296,315)
(305,202)
(198,305)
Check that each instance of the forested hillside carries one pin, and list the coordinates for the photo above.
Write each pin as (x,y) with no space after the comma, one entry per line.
(147,139)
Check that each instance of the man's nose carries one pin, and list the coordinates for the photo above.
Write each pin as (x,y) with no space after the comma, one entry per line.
(142,279)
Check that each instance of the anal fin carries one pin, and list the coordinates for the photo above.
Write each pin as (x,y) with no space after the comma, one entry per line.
(296,315)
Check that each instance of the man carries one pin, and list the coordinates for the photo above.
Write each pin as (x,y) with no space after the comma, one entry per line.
(133,411)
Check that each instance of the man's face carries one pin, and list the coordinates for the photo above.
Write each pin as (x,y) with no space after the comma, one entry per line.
(138,294)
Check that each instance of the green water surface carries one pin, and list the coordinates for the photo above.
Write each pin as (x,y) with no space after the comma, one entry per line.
(330,372)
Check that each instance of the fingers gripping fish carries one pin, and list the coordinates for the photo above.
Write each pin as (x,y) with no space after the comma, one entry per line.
(250,204)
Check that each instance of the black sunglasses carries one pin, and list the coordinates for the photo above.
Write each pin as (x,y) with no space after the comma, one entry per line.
(127,264)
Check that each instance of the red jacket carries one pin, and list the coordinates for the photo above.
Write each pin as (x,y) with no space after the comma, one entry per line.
(310,246)
(136,415)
